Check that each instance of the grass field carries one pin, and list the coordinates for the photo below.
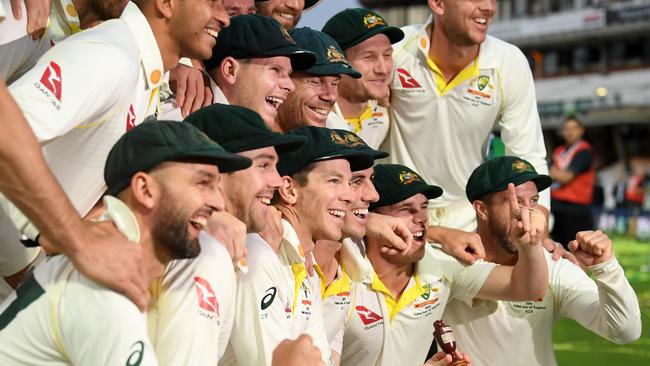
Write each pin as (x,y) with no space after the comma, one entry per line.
(576,346)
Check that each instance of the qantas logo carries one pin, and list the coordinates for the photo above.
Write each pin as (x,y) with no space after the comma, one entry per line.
(367,316)
(407,80)
(207,298)
(51,79)
(130,118)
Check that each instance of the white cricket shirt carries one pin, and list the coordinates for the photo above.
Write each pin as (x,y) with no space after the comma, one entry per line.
(441,130)
(276,300)
(193,307)
(372,125)
(520,333)
(82,95)
(382,331)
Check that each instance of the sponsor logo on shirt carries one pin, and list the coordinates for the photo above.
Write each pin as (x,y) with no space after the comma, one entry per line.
(269,296)
(367,316)
(51,79)
(136,356)
(50,84)
(207,298)
(479,90)
(130,118)
(407,80)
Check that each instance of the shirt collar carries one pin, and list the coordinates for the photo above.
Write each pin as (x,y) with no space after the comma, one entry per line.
(217,95)
(291,243)
(150,57)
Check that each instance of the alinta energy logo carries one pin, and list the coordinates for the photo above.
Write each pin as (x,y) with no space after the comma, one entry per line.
(206,296)
(367,316)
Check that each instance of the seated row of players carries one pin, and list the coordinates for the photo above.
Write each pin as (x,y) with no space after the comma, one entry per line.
(323,194)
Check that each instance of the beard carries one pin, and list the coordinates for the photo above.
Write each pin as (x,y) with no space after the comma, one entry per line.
(501,233)
(170,232)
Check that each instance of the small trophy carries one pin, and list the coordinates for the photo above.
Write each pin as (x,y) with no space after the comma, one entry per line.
(445,338)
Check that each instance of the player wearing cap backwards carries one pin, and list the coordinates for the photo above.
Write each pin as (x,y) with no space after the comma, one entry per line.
(394,307)
(19,54)
(287,12)
(164,178)
(452,85)
(78,128)
(251,64)
(192,318)
(366,39)
(316,87)
(520,333)
(278,298)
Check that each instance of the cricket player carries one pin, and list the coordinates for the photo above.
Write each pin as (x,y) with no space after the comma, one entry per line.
(77,128)
(316,87)
(393,309)
(239,7)
(164,178)
(278,298)
(287,12)
(491,330)
(366,40)
(452,85)
(67,17)
(251,64)
(195,308)
(329,255)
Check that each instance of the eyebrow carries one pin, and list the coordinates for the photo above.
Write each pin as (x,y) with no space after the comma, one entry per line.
(205,174)
(264,156)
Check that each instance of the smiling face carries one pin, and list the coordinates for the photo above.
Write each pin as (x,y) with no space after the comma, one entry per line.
(465,22)
(325,198)
(239,7)
(373,58)
(248,192)
(311,101)
(413,212)
(196,26)
(262,84)
(189,193)
(286,12)
(364,193)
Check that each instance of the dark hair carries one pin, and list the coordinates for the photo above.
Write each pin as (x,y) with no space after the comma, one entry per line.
(575,119)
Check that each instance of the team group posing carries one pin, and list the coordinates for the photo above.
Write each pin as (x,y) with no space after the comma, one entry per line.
(291,217)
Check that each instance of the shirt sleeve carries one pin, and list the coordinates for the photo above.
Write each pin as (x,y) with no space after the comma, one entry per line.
(468,280)
(521,128)
(261,321)
(102,327)
(581,162)
(606,305)
(78,82)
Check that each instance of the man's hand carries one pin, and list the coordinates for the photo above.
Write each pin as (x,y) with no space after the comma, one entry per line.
(38,11)
(395,236)
(558,251)
(109,259)
(466,247)
(231,232)
(191,87)
(299,352)
(443,359)
(591,248)
(527,225)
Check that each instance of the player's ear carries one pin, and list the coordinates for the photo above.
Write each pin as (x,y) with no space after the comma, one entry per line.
(288,190)
(165,7)
(229,70)
(481,209)
(437,6)
(145,189)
